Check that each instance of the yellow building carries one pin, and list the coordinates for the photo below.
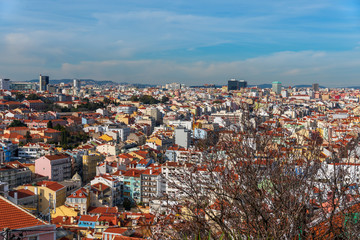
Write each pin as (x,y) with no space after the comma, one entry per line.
(106,138)
(90,162)
(194,111)
(50,194)
(124,118)
(156,140)
(139,154)
(65,211)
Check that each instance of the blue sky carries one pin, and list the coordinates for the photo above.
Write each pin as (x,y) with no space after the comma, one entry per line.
(192,42)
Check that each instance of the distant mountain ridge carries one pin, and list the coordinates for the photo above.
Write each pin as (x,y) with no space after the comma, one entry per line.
(262,86)
(267,85)
(141,85)
(83,81)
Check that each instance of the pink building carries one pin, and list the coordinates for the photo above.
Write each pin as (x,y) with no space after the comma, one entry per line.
(56,167)
(16,222)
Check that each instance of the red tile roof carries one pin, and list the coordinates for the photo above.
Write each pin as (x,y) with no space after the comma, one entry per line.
(51,185)
(57,156)
(13,217)
(115,230)
(81,193)
(88,218)
(103,210)
(22,193)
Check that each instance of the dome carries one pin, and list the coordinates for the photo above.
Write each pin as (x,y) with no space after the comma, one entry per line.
(76,177)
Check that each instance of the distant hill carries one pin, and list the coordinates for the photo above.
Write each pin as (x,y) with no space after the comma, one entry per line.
(83,81)
(95,82)
(266,85)
(306,86)
(261,85)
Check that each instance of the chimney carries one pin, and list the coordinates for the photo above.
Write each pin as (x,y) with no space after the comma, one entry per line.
(100,187)
(150,171)
(16,197)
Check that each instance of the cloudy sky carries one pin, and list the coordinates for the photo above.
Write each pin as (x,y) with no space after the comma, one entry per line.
(192,42)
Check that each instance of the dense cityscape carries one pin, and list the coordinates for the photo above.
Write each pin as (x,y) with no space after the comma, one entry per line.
(116,161)
(179,120)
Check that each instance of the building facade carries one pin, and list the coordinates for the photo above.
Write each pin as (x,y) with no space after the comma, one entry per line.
(56,167)
(276,87)
(43,82)
(4,84)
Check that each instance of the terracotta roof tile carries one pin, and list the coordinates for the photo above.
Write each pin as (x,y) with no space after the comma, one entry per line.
(13,217)
(57,156)
(51,185)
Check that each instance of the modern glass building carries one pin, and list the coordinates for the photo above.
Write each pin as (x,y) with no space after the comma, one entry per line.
(276,87)
(236,84)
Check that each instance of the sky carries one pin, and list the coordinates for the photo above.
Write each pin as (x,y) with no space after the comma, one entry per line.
(190,42)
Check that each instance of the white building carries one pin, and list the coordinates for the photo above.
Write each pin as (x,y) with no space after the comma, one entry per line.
(4,84)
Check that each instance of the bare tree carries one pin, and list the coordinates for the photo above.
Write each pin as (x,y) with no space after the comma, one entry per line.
(262,183)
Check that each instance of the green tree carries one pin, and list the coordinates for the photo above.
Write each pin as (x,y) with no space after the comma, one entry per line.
(147,99)
(19,96)
(28,137)
(134,98)
(49,124)
(17,123)
(64,138)
(33,96)
(127,204)
(107,101)
(58,127)
(164,99)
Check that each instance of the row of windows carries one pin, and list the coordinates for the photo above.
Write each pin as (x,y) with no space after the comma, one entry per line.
(76,200)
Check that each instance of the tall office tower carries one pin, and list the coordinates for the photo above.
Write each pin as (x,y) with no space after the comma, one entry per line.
(77,84)
(234,84)
(315,86)
(43,82)
(4,84)
(242,84)
(276,87)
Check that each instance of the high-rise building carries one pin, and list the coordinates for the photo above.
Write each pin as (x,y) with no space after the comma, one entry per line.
(242,84)
(182,137)
(276,87)
(315,87)
(4,84)
(43,82)
(234,84)
(76,84)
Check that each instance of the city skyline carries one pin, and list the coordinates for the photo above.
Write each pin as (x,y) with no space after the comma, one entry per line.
(199,42)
